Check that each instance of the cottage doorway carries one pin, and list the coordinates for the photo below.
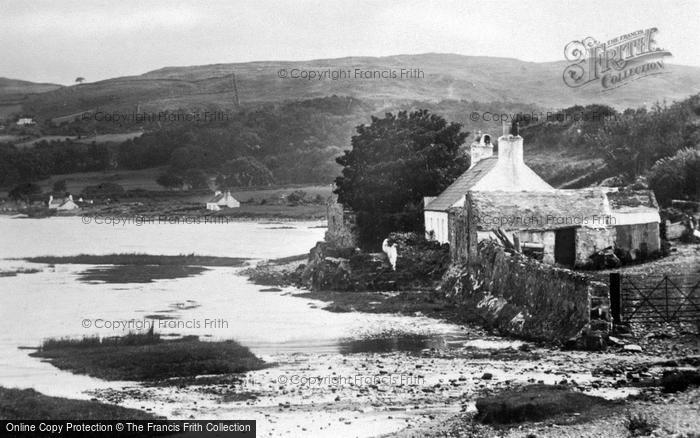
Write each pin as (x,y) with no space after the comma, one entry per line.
(565,246)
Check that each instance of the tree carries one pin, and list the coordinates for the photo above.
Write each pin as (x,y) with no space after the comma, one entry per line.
(393,164)
(59,186)
(170,180)
(79,80)
(24,191)
(245,172)
(186,158)
(630,145)
(676,177)
(196,179)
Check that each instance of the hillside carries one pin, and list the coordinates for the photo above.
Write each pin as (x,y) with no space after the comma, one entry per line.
(15,93)
(15,87)
(446,76)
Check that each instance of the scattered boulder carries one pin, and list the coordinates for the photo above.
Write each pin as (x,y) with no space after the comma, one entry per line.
(615,341)
(590,340)
(633,348)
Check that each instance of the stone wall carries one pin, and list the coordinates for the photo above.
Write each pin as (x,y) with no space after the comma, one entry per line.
(458,234)
(641,238)
(591,240)
(526,298)
(463,240)
(342,230)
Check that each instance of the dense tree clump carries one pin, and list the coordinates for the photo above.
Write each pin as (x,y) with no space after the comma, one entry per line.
(295,142)
(394,162)
(676,177)
(633,143)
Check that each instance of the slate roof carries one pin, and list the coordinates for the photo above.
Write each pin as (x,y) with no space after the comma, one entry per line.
(539,210)
(216,198)
(462,185)
(632,199)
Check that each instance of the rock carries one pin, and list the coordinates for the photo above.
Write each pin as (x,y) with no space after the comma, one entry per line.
(679,380)
(600,325)
(615,341)
(633,348)
(605,259)
(487,376)
(534,403)
(594,340)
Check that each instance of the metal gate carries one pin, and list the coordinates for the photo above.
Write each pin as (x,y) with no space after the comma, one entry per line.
(656,298)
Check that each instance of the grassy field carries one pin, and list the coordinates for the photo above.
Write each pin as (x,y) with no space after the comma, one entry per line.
(146,357)
(101,138)
(129,179)
(8,138)
(145,179)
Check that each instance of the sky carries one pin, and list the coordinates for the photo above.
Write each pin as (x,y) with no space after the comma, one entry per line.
(57,41)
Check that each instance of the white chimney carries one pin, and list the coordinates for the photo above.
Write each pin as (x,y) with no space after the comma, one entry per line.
(50,200)
(510,150)
(481,150)
(70,198)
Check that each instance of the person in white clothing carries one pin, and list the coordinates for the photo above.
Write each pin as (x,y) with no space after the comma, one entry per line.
(389,248)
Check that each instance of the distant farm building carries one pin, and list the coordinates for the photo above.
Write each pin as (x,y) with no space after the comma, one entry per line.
(25,121)
(505,172)
(220,200)
(66,203)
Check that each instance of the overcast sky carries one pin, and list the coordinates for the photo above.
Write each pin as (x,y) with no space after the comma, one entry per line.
(56,41)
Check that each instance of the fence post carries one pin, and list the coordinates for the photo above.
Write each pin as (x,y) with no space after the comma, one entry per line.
(615,297)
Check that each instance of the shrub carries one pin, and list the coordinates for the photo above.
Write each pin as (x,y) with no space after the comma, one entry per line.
(640,424)
(104,190)
(296,197)
(676,177)
(24,191)
(146,356)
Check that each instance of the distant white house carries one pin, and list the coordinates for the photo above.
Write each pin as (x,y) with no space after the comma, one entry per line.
(24,121)
(222,200)
(66,203)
